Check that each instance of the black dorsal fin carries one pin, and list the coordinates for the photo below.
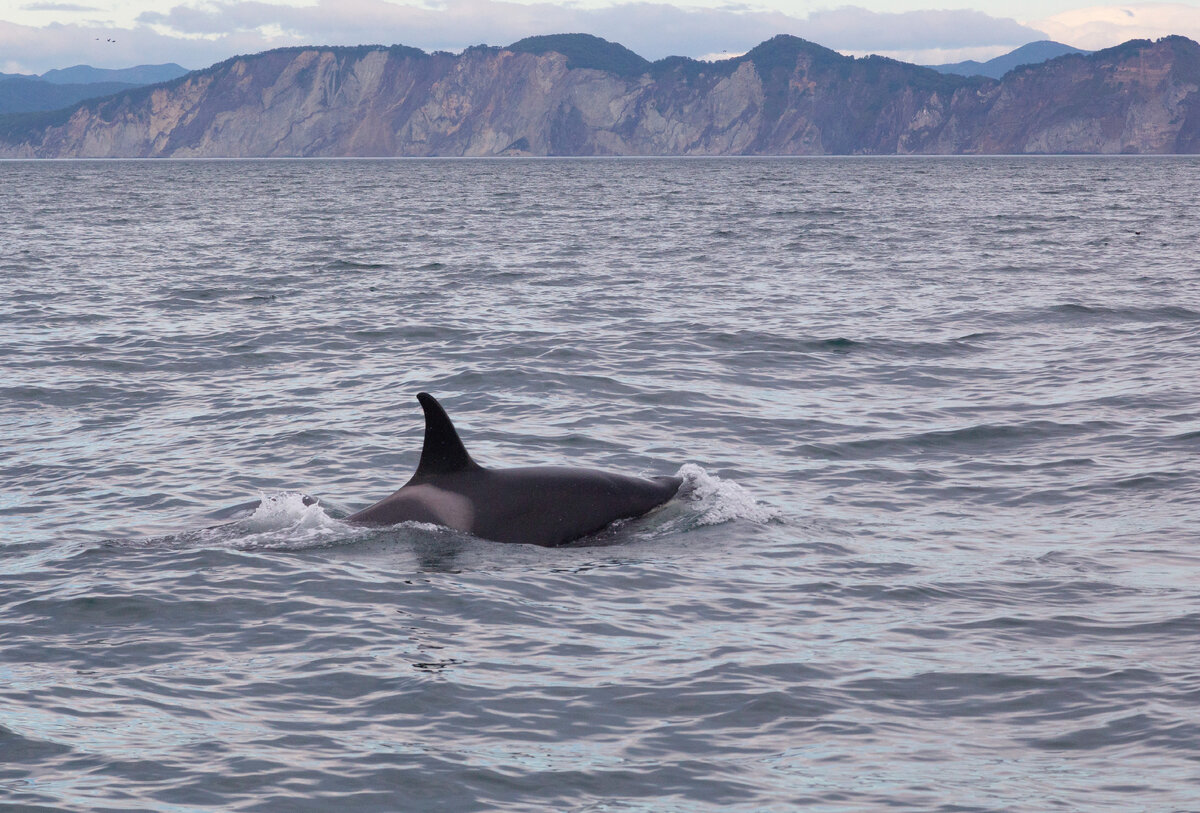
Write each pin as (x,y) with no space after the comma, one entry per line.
(443,452)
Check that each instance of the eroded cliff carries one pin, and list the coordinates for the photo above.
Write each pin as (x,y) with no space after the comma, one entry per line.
(787,96)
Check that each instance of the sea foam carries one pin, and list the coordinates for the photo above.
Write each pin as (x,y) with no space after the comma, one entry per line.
(719,500)
(286,520)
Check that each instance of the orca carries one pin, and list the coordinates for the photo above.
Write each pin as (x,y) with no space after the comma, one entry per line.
(538,505)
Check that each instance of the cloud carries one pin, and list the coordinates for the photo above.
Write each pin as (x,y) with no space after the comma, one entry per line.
(197,35)
(859,29)
(654,30)
(36,49)
(57,7)
(1104,26)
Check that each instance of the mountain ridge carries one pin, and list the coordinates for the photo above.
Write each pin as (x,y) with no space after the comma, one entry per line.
(1031,53)
(785,96)
(585,51)
(63,87)
(136,75)
(23,95)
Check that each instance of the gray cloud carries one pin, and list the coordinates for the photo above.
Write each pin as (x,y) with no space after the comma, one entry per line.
(199,36)
(859,29)
(30,49)
(57,7)
(654,30)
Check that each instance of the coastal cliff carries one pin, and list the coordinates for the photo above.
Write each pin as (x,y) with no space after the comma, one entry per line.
(578,95)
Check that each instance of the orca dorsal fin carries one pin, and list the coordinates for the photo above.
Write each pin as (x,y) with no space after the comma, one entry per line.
(443,452)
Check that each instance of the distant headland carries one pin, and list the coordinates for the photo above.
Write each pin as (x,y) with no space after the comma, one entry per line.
(576,94)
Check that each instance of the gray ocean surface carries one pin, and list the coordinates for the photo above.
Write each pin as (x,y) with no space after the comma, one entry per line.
(939,548)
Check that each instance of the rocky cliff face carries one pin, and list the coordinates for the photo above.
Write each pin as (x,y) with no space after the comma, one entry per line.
(787,96)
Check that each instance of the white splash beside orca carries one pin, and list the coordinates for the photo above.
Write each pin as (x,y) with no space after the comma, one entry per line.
(540,505)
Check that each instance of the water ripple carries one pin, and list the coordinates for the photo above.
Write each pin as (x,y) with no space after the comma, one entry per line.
(935,551)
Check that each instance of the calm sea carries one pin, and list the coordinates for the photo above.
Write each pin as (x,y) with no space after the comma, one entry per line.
(939,419)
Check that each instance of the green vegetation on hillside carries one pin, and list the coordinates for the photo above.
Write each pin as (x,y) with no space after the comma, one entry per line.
(586,51)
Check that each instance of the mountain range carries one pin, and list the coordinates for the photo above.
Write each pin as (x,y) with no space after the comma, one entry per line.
(575,94)
(23,93)
(1032,53)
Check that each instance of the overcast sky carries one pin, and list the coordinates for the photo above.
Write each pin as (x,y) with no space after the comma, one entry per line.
(37,35)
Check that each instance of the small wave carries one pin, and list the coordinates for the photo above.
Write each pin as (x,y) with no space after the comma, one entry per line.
(1186,436)
(719,501)
(991,437)
(82,395)
(19,748)
(757,341)
(754,340)
(1164,313)
(353,265)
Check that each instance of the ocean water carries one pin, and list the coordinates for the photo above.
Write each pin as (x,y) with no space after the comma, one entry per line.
(938,549)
